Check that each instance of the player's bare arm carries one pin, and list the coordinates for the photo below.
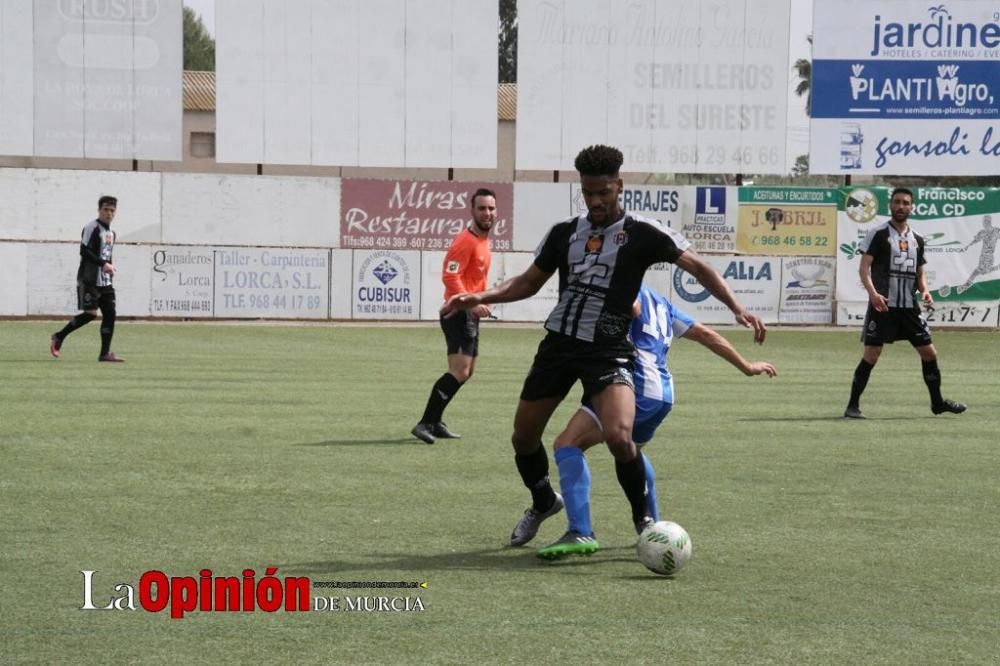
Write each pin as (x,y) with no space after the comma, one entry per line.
(517,288)
(865,273)
(722,347)
(925,293)
(709,278)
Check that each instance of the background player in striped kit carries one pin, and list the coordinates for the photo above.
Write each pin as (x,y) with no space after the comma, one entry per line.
(601,258)
(892,272)
(657,322)
(94,278)
(466,268)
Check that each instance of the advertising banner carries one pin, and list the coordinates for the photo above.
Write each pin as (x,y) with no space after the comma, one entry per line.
(787,221)
(905,88)
(807,290)
(691,87)
(386,285)
(272,283)
(754,280)
(182,281)
(709,220)
(957,224)
(417,215)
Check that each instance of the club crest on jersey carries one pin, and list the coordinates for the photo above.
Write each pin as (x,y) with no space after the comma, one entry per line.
(595,244)
(452,267)
(904,245)
(620,239)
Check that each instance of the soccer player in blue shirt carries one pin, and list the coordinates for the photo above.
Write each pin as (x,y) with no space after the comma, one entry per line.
(657,322)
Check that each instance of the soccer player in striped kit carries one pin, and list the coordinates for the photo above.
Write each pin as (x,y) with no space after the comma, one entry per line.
(94,288)
(601,258)
(466,267)
(892,272)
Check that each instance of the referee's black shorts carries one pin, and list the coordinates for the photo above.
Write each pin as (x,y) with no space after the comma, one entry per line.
(884,328)
(461,333)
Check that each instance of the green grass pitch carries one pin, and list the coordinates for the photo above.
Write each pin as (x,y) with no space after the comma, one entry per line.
(816,540)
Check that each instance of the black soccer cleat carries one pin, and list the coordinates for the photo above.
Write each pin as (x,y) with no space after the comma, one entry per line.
(853,413)
(422,431)
(440,430)
(949,407)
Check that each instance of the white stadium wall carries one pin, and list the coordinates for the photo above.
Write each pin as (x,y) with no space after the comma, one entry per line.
(248,247)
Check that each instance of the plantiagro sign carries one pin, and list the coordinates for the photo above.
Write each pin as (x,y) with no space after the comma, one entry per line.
(906,87)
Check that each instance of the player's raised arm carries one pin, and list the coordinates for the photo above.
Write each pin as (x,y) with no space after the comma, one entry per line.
(517,288)
(709,278)
(722,347)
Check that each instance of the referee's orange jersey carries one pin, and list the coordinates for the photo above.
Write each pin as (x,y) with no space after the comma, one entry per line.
(466,265)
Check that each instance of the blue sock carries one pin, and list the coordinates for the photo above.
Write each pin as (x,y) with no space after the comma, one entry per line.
(574,479)
(650,488)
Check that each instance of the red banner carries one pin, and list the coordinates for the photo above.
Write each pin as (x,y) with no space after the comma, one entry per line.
(417,214)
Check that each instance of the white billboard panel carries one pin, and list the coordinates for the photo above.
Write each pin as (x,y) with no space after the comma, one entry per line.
(754,280)
(905,88)
(52,278)
(239,81)
(341,293)
(386,284)
(251,210)
(182,281)
(17,80)
(132,289)
(677,85)
(273,283)
(14,296)
(807,290)
(431,286)
(107,79)
(390,83)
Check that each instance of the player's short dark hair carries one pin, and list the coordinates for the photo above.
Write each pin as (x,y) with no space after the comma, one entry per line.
(481,192)
(599,160)
(901,190)
(107,199)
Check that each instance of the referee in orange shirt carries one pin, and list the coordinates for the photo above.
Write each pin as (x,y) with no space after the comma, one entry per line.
(465,269)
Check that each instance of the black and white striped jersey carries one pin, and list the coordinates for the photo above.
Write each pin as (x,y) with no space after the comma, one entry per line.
(97,243)
(601,270)
(895,260)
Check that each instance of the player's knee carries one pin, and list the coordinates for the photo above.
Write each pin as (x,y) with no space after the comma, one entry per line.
(620,443)
(524,445)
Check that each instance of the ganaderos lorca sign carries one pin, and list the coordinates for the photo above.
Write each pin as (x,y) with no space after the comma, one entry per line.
(416,214)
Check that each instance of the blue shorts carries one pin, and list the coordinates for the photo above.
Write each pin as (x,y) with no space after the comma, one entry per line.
(649,414)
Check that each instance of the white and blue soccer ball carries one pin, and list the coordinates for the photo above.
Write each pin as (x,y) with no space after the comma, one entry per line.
(664,548)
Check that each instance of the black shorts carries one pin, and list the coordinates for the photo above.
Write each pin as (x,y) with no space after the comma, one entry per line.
(91,297)
(884,328)
(461,333)
(561,360)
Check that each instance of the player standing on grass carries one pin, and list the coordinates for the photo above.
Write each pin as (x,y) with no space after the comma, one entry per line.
(601,258)
(94,290)
(466,267)
(657,322)
(892,272)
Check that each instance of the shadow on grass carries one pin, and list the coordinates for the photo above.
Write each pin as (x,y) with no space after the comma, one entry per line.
(403,441)
(813,419)
(504,557)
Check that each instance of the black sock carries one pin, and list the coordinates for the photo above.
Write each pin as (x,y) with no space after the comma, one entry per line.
(107,329)
(444,390)
(932,377)
(534,470)
(76,322)
(632,478)
(861,375)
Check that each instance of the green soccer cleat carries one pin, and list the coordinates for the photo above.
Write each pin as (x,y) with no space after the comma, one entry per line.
(571,543)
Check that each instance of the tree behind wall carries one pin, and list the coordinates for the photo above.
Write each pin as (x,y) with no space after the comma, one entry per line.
(199,47)
(507,41)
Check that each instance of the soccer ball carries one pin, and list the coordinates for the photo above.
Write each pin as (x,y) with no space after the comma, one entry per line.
(664,548)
